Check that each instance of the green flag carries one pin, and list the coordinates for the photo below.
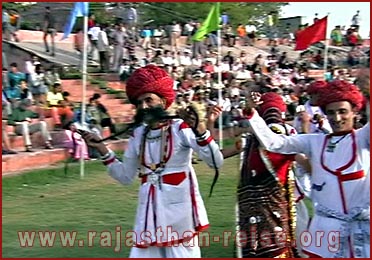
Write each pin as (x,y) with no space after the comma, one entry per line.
(212,23)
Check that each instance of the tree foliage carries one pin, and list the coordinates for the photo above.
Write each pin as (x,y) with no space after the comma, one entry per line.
(101,15)
(165,13)
(15,6)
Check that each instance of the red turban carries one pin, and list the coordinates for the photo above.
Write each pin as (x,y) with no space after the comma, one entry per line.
(316,86)
(271,100)
(341,90)
(150,79)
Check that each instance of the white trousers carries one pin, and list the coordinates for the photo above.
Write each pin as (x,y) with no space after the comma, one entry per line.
(26,129)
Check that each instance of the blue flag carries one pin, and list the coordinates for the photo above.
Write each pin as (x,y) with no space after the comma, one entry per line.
(80,9)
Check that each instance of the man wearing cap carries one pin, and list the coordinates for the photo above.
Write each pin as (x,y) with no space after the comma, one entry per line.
(340,179)
(314,117)
(160,152)
(299,120)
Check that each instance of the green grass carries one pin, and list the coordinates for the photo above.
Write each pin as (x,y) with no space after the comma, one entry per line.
(47,200)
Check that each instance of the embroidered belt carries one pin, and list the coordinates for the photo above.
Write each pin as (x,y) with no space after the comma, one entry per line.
(355,218)
(172,179)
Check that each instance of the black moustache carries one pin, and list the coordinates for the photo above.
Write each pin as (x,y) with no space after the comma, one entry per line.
(151,115)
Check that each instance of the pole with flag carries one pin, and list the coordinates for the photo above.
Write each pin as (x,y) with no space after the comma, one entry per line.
(312,34)
(211,24)
(80,9)
(326,42)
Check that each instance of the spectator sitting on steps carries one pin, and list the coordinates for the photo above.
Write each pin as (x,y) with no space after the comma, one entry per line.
(21,117)
(25,91)
(5,113)
(38,87)
(99,112)
(13,92)
(74,143)
(60,110)
(15,74)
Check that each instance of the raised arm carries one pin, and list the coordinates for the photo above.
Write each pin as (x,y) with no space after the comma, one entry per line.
(270,140)
(196,136)
(207,149)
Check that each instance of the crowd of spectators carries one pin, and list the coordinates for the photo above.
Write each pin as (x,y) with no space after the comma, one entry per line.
(199,75)
(197,79)
(32,95)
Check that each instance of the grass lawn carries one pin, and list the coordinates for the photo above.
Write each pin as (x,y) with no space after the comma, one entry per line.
(47,200)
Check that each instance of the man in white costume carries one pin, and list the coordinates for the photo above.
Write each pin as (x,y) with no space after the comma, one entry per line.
(171,210)
(340,179)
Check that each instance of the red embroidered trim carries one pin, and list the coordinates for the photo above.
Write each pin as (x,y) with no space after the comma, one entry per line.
(109,161)
(166,158)
(201,228)
(170,150)
(302,195)
(194,207)
(183,125)
(205,142)
(338,171)
(250,115)
(171,179)
(353,157)
(352,176)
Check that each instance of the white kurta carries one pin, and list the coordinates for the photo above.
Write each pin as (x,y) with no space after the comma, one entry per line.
(176,210)
(340,187)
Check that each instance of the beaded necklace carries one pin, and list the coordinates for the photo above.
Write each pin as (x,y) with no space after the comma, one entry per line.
(165,153)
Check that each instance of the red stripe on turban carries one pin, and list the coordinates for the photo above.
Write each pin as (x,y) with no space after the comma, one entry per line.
(341,90)
(150,79)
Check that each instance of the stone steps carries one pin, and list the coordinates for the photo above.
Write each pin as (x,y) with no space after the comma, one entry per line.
(117,85)
(43,158)
(118,108)
(58,139)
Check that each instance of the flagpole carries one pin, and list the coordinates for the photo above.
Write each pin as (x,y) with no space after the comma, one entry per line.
(326,50)
(220,130)
(84,72)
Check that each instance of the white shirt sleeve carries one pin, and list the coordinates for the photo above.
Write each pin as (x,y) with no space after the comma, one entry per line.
(279,143)
(207,150)
(364,135)
(125,171)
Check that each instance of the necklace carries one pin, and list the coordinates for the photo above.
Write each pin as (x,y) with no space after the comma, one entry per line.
(165,146)
(152,139)
(332,146)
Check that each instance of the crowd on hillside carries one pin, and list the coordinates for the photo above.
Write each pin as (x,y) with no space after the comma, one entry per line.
(30,96)
(198,73)
(196,79)
(109,43)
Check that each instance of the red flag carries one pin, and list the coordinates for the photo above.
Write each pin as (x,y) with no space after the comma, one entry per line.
(312,34)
